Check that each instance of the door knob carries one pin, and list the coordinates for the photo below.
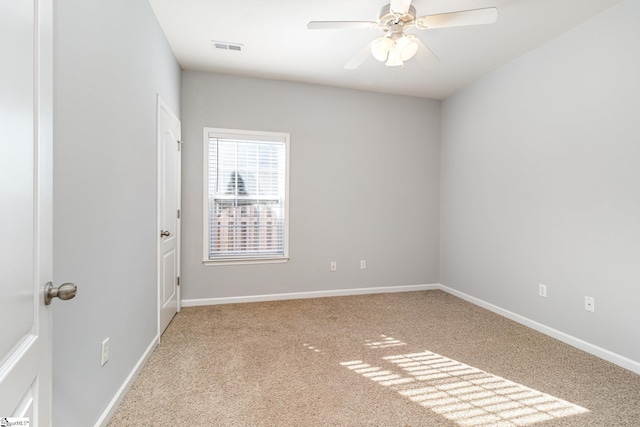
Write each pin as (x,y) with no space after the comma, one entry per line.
(64,292)
(165,233)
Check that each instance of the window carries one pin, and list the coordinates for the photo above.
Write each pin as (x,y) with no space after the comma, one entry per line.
(245,196)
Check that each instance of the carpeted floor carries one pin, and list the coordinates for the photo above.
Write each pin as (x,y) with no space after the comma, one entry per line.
(403,359)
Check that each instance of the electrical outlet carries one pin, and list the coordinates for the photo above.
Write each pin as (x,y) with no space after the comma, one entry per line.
(105,352)
(542,290)
(363,264)
(334,266)
(590,304)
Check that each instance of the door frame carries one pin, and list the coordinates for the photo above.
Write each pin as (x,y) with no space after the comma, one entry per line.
(161,105)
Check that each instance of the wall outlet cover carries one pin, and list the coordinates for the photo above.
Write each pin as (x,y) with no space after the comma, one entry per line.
(105,352)
(590,304)
(542,290)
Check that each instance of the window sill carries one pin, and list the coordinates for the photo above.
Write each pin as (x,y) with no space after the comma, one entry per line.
(244,261)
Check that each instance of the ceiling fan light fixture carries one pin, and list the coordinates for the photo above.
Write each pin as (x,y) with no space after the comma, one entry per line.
(380,48)
(402,49)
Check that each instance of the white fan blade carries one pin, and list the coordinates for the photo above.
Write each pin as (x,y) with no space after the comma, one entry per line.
(425,56)
(340,25)
(400,6)
(360,57)
(457,19)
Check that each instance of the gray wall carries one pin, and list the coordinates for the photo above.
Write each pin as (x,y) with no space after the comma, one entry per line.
(111,59)
(364,184)
(540,183)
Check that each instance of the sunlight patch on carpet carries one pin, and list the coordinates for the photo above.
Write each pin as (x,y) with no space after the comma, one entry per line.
(384,342)
(463,394)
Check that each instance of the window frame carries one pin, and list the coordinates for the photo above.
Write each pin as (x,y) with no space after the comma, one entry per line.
(249,135)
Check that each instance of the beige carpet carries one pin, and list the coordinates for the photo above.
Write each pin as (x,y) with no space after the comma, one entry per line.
(404,359)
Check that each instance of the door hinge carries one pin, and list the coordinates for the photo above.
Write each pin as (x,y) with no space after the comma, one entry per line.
(178,281)
(178,213)
(179,145)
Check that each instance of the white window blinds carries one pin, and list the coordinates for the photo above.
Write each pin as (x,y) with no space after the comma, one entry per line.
(246,195)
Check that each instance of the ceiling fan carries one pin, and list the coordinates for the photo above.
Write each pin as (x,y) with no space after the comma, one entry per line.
(396,47)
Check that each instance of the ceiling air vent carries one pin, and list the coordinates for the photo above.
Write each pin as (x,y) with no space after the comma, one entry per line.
(226,46)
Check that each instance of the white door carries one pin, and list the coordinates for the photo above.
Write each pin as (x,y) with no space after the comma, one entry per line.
(25,209)
(169,161)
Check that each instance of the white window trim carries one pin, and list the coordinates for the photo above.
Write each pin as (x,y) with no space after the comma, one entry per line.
(258,135)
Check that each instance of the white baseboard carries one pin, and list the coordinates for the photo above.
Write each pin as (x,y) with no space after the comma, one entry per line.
(126,385)
(302,295)
(600,352)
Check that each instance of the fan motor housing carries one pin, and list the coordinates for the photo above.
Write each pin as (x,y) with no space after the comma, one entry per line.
(389,19)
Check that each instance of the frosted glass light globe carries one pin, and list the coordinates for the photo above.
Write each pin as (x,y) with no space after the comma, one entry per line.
(380,48)
(394,57)
(407,47)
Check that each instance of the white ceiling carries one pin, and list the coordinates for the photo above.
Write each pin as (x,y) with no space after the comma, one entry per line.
(278,45)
